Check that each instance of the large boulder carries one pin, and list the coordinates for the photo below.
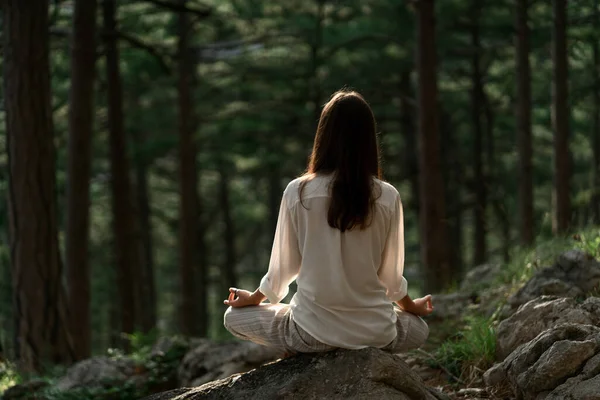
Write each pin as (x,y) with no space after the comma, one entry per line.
(540,314)
(97,372)
(340,374)
(481,277)
(209,361)
(575,273)
(550,365)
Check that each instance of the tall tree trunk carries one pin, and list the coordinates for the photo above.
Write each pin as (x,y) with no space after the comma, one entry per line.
(479,184)
(596,117)
(188,214)
(523,115)
(453,184)
(229,274)
(41,319)
(409,132)
(434,238)
(498,203)
(147,284)
(316,62)
(202,275)
(125,241)
(81,125)
(560,120)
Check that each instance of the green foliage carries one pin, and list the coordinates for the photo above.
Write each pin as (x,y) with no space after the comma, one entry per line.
(8,376)
(472,349)
(589,242)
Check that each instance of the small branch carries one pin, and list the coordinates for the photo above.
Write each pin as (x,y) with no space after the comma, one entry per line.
(202,13)
(137,43)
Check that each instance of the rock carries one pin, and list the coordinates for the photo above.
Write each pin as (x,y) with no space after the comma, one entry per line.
(452,305)
(539,314)
(340,374)
(537,368)
(210,361)
(574,273)
(97,372)
(24,390)
(472,393)
(480,277)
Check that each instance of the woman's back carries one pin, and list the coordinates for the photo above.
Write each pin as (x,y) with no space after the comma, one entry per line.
(345,280)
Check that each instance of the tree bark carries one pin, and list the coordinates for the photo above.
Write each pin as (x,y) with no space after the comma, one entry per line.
(523,115)
(41,319)
(188,213)
(202,275)
(81,125)
(453,185)
(147,283)
(229,274)
(596,117)
(315,48)
(433,230)
(125,241)
(409,132)
(560,120)
(479,183)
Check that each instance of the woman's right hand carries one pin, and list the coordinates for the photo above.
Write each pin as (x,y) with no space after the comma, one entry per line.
(420,307)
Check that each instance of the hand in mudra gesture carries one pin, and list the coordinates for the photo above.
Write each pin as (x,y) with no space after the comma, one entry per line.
(420,307)
(243,298)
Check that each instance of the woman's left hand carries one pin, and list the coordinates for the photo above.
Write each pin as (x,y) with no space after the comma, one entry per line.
(243,298)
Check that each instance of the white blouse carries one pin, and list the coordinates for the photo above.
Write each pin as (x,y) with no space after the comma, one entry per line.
(346,281)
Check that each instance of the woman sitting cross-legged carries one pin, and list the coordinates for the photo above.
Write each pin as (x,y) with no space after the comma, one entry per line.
(340,235)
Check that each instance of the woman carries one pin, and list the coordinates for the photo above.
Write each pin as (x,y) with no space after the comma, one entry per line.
(340,235)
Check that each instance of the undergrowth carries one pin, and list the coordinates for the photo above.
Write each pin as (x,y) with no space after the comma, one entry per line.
(470,352)
(8,376)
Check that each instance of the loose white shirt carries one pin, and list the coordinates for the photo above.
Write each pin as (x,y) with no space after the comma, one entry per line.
(346,281)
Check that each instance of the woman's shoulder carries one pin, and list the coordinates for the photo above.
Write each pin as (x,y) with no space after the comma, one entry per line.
(389,194)
(311,185)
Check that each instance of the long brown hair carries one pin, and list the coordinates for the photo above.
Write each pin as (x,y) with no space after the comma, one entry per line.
(346,146)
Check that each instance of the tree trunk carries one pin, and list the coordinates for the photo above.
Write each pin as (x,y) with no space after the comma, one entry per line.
(188,214)
(479,183)
(560,120)
(316,62)
(81,125)
(523,115)
(434,238)
(41,319)
(498,200)
(126,246)
(229,274)
(202,275)
(409,131)
(147,285)
(453,184)
(596,117)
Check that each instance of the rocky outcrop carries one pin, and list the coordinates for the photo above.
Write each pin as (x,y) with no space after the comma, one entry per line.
(575,273)
(97,372)
(558,364)
(540,314)
(209,361)
(341,374)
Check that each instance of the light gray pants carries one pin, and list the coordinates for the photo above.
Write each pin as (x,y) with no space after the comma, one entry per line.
(272,325)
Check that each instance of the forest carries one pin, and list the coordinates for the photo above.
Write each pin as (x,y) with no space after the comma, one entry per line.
(146,145)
